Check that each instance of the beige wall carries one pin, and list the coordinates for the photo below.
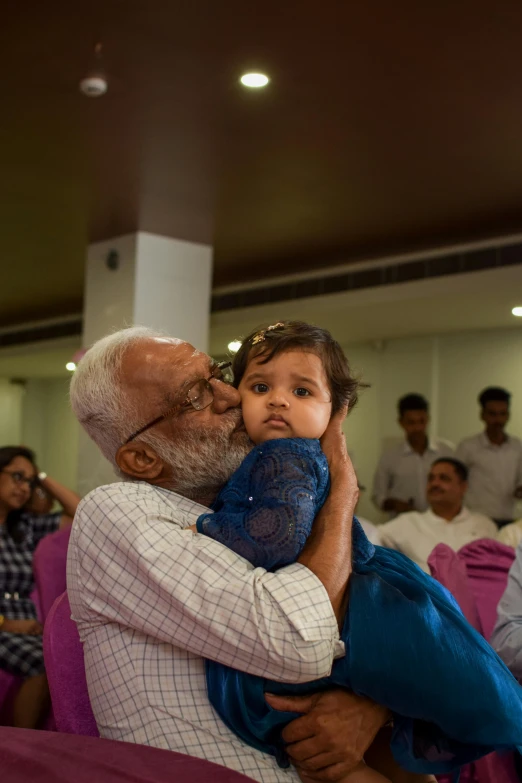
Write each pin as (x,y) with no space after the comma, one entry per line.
(49,427)
(11,402)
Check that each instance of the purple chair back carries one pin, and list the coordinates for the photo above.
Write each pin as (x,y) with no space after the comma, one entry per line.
(63,653)
(487,565)
(450,571)
(49,567)
(476,575)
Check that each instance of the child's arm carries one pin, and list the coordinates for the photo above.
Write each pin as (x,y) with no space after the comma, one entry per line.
(283,503)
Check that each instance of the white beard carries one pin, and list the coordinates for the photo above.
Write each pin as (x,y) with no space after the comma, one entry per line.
(203,460)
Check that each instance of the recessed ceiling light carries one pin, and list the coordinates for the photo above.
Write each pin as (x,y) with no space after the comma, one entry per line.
(70,366)
(254,80)
(517,311)
(234,346)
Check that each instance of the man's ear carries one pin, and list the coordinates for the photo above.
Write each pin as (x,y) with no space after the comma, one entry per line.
(139,460)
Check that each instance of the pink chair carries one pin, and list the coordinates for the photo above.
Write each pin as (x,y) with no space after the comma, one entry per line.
(43,757)
(49,567)
(450,571)
(476,576)
(9,685)
(65,668)
(487,565)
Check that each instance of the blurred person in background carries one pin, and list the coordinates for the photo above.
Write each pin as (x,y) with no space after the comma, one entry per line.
(447,520)
(494,460)
(399,483)
(21,530)
(507,634)
(511,535)
(46,493)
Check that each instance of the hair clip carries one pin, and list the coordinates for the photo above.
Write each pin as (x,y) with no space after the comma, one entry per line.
(260,336)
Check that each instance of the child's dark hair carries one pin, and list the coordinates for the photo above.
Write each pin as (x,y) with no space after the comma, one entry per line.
(269,341)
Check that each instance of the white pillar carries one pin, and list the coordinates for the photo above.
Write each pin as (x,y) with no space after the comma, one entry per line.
(147,280)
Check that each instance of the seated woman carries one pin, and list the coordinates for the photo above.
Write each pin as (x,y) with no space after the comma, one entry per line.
(21,651)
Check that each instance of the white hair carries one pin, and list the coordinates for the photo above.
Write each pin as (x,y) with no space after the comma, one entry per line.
(97,395)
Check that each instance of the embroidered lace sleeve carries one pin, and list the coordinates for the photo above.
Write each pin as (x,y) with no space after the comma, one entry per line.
(284,496)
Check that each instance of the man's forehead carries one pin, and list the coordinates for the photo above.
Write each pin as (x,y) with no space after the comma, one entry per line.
(158,355)
(445,468)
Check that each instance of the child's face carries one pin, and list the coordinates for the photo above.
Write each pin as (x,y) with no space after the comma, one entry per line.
(286,398)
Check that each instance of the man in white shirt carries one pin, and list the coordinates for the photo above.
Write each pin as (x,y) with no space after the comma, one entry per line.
(152,599)
(399,483)
(494,460)
(511,535)
(447,521)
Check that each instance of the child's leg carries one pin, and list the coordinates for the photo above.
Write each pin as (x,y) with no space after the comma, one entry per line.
(361,774)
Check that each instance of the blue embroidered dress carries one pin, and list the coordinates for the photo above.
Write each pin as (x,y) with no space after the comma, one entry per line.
(408,645)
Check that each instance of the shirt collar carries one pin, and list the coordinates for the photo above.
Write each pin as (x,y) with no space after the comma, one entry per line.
(485,441)
(432,446)
(461,516)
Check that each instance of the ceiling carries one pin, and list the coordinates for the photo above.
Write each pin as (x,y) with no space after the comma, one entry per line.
(387,127)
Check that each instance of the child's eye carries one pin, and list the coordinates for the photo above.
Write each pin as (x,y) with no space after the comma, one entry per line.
(301,392)
(260,388)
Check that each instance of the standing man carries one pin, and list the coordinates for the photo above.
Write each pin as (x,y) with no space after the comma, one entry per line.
(399,484)
(494,460)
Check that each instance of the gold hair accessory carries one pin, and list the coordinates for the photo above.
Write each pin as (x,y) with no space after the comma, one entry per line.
(260,336)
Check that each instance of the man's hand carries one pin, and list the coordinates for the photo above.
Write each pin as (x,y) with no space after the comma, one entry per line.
(333,444)
(333,735)
(29,627)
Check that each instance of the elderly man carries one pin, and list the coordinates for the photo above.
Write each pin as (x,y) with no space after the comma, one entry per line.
(152,599)
(447,521)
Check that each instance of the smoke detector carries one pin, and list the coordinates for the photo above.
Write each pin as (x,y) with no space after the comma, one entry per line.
(95,84)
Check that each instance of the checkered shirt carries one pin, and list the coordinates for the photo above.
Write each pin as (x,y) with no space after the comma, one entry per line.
(21,654)
(151,598)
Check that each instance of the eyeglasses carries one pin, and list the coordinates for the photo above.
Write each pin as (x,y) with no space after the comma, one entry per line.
(19,478)
(199,396)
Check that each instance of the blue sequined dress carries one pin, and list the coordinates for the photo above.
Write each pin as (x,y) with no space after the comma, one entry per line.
(408,645)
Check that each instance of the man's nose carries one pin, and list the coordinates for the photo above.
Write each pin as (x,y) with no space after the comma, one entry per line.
(225,396)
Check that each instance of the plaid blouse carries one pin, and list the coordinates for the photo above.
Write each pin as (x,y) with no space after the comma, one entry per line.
(16,564)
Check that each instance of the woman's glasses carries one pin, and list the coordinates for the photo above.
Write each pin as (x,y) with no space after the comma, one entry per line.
(19,478)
